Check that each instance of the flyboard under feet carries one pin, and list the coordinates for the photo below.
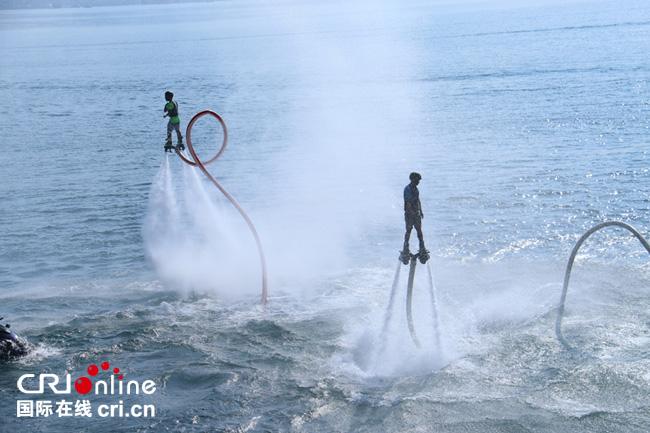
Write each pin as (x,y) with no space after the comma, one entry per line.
(407,258)
(169,147)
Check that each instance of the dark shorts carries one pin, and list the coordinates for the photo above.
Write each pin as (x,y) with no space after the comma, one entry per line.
(413,220)
(173,127)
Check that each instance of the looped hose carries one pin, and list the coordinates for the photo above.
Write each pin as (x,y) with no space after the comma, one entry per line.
(196,162)
(569,267)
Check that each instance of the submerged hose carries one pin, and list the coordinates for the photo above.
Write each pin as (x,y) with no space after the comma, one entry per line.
(196,161)
(569,267)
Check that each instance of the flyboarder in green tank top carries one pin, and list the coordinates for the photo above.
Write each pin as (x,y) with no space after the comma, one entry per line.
(174,124)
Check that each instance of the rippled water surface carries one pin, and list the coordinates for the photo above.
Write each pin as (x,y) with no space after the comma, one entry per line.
(529,124)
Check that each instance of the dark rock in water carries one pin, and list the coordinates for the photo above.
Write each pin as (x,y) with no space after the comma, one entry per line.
(13,349)
(11,346)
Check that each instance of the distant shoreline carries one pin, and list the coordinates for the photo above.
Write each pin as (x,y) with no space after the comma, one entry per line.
(64,4)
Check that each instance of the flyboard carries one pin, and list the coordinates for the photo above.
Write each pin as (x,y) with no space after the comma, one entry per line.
(171,148)
(412,260)
(194,160)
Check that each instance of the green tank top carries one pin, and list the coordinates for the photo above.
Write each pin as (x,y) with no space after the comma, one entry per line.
(172,109)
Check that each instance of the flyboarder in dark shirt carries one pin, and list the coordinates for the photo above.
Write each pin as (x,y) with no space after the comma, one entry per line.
(413,217)
(174,124)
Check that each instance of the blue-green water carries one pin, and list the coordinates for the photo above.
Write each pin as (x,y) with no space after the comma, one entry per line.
(529,125)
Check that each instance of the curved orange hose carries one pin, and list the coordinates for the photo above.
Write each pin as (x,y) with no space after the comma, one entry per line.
(196,161)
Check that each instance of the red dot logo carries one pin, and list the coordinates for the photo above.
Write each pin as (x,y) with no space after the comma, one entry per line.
(83,385)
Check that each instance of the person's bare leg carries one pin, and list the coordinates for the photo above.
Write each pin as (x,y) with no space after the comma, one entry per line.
(407,236)
(405,255)
(418,229)
(177,127)
(170,127)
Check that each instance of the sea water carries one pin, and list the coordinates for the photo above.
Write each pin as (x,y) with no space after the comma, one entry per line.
(528,121)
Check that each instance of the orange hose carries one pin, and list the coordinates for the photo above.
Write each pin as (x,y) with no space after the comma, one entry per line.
(196,161)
